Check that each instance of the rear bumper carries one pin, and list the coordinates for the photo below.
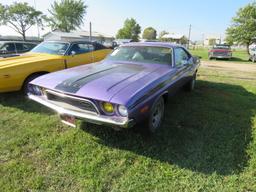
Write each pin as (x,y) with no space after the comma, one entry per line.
(123,122)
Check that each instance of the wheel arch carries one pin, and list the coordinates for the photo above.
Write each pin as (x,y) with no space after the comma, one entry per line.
(39,73)
(165,96)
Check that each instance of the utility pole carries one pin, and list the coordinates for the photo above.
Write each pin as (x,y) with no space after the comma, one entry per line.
(38,30)
(189,34)
(90,38)
(203,39)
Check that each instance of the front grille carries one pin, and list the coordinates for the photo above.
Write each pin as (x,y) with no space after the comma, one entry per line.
(70,102)
(220,53)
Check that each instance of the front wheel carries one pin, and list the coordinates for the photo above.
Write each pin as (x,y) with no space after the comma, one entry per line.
(156,116)
(26,83)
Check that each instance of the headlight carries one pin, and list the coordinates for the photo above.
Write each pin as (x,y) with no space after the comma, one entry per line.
(107,107)
(123,110)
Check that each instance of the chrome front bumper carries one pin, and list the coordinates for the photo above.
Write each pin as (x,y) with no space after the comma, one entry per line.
(123,122)
(221,56)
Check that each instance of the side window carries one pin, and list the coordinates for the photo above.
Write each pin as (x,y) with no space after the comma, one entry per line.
(19,47)
(8,48)
(80,48)
(181,56)
(99,46)
(27,47)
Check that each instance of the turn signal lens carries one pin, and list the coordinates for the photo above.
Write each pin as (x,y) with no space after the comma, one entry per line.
(123,110)
(107,107)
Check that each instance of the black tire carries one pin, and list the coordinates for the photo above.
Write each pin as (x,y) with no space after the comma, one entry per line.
(190,86)
(156,117)
(25,87)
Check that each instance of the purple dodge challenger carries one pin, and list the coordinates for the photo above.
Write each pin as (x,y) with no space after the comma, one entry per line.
(129,87)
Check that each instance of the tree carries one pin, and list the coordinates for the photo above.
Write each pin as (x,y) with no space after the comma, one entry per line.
(130,30)
(20,17)
(184,40)
(149,33)
(163,33)
(67,15)
(243,27)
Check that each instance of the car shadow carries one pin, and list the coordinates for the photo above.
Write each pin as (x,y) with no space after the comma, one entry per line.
(19,101)
(206,131)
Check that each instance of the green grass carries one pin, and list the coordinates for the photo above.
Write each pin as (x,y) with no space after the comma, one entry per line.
(207,143)
(240,56)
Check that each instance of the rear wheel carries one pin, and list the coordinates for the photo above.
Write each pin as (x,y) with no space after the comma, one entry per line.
(190,86)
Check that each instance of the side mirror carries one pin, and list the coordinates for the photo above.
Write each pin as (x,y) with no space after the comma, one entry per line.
(197,59)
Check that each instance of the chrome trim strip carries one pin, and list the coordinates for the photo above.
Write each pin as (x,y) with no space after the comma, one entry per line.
(123,122)
(72,97)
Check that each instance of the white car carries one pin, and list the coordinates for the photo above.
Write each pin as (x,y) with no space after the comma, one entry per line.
(252,52)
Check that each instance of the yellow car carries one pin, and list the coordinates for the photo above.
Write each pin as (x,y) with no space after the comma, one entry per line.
(17,72)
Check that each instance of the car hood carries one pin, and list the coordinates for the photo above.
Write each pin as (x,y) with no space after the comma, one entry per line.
(25,59)
(105,81)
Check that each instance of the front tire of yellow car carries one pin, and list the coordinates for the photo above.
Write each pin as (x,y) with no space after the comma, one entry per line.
(25,87)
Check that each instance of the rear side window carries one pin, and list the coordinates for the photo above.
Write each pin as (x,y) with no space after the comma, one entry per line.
(28,46)
(19,46)
(81,48)
(99,46)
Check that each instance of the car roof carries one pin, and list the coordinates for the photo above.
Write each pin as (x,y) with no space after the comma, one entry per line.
(152,44)
(18,42)
(70,41)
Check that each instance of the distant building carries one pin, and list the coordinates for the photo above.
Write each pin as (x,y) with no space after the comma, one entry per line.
(18,38)
(175,38)
(78,35)
(212,40)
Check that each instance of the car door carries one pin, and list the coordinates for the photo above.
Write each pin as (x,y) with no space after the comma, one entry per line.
(79,54)
(183,62)
(8,48)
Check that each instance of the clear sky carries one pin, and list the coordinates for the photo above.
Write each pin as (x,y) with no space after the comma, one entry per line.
(207,17)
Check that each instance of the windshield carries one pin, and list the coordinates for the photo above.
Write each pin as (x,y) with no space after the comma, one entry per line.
(143,54)
(54,48)
(221,47)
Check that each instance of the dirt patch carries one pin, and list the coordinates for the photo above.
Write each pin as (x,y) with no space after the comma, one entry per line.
(230,66)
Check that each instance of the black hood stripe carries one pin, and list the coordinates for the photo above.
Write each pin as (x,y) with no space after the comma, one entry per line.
(74,84)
